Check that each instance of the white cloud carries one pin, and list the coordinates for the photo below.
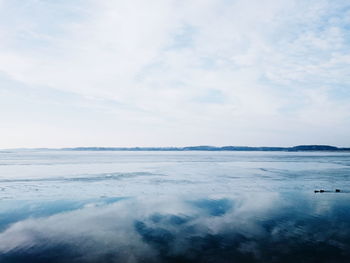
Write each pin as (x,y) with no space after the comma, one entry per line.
(157,60)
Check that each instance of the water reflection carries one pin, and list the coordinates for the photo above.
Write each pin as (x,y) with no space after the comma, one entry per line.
(12,211)
(267,227)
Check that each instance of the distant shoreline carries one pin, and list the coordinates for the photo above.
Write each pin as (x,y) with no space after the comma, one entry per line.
(299,148)
(214,148)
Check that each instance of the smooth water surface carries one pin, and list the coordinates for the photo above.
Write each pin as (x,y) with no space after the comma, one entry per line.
(81,206)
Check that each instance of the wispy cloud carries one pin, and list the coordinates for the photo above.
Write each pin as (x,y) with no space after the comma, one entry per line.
(213,72)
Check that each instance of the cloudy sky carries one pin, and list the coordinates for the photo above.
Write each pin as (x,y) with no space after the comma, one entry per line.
(174,72)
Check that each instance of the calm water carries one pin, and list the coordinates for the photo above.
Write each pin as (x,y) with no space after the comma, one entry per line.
(61,206)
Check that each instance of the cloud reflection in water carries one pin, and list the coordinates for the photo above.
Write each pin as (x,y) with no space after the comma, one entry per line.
(256,228)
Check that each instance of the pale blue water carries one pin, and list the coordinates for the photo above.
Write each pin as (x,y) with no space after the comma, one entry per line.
(65,206)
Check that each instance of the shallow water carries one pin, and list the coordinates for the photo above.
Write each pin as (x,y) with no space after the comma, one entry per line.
(65,206)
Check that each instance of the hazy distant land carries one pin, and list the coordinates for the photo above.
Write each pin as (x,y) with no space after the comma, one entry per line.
(214,148)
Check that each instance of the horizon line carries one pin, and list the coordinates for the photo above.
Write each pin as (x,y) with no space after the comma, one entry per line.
(307,147)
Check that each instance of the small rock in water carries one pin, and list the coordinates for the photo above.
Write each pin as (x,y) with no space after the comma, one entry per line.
(337,190)
(321,191)
(316,191)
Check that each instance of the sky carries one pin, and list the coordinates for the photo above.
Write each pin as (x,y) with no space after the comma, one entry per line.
(174,72)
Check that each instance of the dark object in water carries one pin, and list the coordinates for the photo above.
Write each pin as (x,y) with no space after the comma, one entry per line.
(316,191)
(337,190)
(321,191)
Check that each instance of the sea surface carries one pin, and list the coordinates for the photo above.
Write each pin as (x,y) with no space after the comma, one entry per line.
(110,206)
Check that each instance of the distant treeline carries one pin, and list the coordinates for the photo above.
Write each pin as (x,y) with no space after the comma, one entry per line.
(214,148)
